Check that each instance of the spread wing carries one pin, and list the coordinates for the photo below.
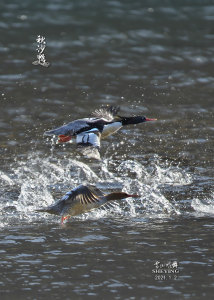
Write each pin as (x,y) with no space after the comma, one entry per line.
(107,112)
(84,194)
(70,129)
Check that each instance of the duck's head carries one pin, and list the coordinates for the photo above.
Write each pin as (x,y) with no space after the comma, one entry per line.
(120,195)
(135,120)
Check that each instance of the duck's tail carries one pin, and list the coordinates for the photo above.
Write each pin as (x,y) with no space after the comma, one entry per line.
(42,210)
(46,210)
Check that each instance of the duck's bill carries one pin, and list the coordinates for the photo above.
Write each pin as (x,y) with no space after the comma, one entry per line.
(134,196)
(148,119)
(64,138)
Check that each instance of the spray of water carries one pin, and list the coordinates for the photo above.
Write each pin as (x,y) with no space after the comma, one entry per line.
(204,206)
(41,181)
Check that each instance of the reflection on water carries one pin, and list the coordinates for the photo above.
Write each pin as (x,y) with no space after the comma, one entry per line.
(152,59)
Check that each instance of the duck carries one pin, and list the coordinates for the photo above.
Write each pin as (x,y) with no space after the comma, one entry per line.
(82,199)
(88,132)
(115,120)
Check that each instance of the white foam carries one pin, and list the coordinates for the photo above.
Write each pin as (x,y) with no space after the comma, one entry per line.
(5,178)
(41,181)
(204,206)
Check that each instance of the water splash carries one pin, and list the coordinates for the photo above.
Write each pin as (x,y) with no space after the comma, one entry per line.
(41,181)
(172,176)
(204,206)
(5,179)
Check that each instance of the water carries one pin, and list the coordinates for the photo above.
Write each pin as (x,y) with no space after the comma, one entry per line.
(153,58)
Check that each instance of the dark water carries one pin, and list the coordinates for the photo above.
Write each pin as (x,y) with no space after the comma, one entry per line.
(152,58)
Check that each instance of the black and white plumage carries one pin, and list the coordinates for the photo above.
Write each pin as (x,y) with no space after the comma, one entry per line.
(76,127)
(89,143)
(89,138)
(82,199)
(88,131)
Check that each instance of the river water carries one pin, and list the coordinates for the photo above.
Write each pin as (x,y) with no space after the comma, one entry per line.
(152,58)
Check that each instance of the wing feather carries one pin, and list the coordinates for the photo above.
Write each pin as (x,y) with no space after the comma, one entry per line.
(84,199)
(82,194)
(92,198)
(70,129)
(107,112)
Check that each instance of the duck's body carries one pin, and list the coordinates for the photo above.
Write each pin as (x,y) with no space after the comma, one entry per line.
(89,131)
(82,199)
(79,126)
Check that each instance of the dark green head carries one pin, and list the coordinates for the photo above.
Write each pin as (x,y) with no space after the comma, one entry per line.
(135,120)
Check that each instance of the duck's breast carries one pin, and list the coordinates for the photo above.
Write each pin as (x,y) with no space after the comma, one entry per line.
(79,208)
(111,128)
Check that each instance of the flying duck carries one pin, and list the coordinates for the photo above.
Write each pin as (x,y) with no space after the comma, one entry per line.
(88,131)
(82,199)
(116,121)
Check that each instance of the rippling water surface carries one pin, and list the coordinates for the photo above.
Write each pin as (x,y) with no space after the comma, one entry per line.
(152,58)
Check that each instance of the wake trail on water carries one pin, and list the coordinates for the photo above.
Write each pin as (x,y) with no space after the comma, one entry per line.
(38,182)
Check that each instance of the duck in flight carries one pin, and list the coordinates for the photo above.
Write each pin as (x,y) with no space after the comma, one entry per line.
(88,131)
(82,199)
